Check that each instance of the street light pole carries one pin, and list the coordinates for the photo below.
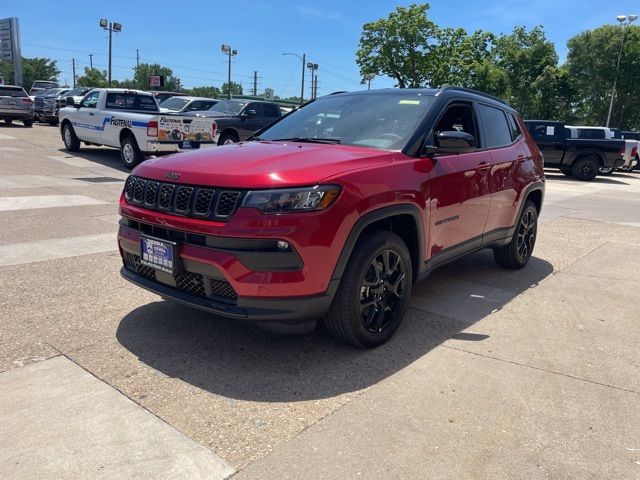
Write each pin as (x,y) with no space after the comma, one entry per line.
(304,65)
(313,67)
(625,21)
(110,27)
(231,53)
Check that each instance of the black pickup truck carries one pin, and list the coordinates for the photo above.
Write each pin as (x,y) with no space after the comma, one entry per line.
(239,119)
(580,158)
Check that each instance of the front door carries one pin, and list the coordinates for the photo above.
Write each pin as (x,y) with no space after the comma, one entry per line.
(87,122)
(459,189)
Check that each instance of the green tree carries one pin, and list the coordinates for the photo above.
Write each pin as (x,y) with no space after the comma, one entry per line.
(145,70)
(32,69)
(207,92)
(399,46)
(92,78)
(236,88)
(591,65)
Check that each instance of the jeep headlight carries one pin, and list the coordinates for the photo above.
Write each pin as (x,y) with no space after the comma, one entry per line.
(292,199)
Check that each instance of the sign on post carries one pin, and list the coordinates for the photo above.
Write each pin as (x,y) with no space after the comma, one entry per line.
(156,81)
(10,46)
(268,93)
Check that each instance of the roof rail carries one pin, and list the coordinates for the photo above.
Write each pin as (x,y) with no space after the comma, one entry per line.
(476,92)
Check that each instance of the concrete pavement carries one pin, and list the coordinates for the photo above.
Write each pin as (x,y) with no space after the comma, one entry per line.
(495,374)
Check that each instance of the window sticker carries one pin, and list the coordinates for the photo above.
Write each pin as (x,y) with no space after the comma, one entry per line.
(551,131)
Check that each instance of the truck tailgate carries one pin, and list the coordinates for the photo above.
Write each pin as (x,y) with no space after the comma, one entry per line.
(176,128)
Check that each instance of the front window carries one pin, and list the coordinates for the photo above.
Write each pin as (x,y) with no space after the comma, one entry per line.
(174,104)
(379,120)
(230,107)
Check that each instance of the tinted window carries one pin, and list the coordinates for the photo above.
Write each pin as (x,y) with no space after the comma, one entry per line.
(91,100)
(271,110)
(231,107)
(456,118)
(513,127)
(12,92)
(496,129)
(544,131)
(592,133)
(131,101)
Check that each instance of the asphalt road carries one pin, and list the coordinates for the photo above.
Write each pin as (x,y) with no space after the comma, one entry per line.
(495,374)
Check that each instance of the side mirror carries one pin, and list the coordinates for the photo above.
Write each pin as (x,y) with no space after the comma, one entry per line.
(248,114)
(453,142)
(71,102)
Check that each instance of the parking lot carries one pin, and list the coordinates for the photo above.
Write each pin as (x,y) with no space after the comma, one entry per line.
(534,371)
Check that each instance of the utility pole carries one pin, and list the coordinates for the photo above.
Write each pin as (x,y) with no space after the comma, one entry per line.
(91,60)
(73,63)
(314,68)
(110,27)
(231,53)
(315,88)
(255,83)
(137,59)
(625,21)
(304,65)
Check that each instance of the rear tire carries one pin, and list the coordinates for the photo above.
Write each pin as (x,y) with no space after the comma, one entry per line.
(70,139)
(27,123)
(518,251)
(373,296)
(585,168)
(8,121)
(227,139)
(130,153)
(53,123)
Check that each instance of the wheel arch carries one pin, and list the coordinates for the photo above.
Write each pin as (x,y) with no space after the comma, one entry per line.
(231,131)
(126,132)
(405,220)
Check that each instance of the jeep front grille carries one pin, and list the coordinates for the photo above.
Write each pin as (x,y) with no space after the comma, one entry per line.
(185,200)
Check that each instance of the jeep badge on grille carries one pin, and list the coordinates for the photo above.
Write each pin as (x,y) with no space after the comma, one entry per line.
(172,175)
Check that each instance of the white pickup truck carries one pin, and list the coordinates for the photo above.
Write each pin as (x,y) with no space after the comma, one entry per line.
(131,121)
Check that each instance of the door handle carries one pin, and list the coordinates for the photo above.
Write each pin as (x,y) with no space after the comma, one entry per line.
(91,114)
(484,167)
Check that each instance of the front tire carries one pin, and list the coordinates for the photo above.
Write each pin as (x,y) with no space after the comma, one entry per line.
(27,123)
(373,296)
(130,152)
(517,253)
(585,168)
(70,139)
(8,121)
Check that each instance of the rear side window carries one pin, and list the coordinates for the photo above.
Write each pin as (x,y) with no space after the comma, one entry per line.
(513,127)
(257,107)
(12,92)
(131,101)
(496,128)
(271,110)
(544,131)
(591,133)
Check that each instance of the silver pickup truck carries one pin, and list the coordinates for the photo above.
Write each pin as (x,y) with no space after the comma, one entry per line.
(131,121)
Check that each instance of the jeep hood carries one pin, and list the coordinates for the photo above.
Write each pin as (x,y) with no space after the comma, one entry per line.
(263,164)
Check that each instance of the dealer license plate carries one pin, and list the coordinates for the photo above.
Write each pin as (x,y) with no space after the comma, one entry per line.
(157,254)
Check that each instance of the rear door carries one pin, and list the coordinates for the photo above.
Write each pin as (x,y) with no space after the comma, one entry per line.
(459,188)
(550,140)
(86,120)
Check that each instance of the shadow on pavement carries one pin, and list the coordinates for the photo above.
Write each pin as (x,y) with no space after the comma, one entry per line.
(103,156)
(599,179)
(238,361)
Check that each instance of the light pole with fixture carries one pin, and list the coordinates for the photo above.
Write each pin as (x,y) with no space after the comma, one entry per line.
(110,27)
(231,53)
(625,21)
(314,68)
(304,64)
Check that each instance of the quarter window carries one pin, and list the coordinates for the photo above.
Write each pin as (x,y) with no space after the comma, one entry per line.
(496,128)
(513,127)
(271,110)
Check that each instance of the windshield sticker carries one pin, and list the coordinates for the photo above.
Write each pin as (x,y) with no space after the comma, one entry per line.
(409,102)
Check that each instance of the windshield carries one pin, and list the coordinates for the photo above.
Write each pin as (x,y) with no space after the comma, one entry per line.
(174,103)
(231,107)
(378,120)
(51,92)
(76,92)
(44,84)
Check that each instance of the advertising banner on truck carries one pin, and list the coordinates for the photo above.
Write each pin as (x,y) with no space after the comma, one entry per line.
(172,129)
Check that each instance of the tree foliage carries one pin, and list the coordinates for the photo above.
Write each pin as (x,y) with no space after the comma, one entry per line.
(236,89)
(207,92)
(141,76)
(92,77)
(33,69)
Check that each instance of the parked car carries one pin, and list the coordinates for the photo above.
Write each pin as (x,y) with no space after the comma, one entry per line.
(184,103)
(15,104)
(42,85)
(161,96)
(130,120)
(238,120)
(577,157)
(309,223)
(45,108)
(631,148)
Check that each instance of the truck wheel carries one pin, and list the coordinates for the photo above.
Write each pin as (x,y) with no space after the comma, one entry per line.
(130,152)
(27,123)
(606,170)
(585,168)
(227,139)
(53,123)
(517,252)
(373,296)
(8,121)
(70,139)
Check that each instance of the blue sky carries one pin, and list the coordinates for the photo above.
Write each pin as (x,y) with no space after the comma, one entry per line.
(187,35)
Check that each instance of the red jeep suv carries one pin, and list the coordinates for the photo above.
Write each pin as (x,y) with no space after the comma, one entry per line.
(335,210)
